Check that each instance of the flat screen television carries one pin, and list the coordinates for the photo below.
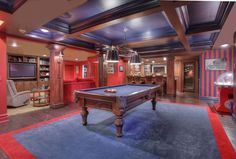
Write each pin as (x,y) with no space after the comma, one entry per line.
(22,71)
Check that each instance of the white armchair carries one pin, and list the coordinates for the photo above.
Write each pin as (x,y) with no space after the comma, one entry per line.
(14,98)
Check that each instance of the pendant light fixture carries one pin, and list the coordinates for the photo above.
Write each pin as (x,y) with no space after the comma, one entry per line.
(135,59)
(112,55)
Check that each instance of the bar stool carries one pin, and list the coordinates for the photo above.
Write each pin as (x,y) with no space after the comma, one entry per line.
(149,79)
(142,80)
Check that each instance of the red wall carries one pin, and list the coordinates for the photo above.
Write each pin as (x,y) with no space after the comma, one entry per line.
(3,78)
(70,71)
(70,87)
(93,69)
(118,77)
(208,77)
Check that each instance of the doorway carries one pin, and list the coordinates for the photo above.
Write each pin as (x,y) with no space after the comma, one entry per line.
(189,78)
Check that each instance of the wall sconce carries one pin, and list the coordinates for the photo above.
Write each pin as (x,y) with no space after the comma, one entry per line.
(60,57)
(77,70)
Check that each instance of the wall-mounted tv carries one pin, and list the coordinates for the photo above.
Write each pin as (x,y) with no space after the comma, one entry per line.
(22,71)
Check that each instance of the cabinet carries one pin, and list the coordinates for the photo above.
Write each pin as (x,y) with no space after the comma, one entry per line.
(22,59)
(38,79)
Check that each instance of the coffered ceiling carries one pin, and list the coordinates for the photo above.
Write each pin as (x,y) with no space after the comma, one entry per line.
(148,26)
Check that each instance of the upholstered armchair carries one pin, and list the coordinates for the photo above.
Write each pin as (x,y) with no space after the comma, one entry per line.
(14,98)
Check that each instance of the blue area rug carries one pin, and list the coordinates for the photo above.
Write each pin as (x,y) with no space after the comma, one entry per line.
(172,131)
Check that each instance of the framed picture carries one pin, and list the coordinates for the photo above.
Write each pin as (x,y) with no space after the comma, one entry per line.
(121,68)
(159,69)
(110,68)
(215,64)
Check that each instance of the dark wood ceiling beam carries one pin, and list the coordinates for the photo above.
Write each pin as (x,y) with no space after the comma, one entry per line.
(164,40)
(166,53)
(151,42)
(172,15)
(71,36)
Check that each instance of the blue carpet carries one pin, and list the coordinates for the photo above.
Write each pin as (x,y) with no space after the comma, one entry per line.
(172,131)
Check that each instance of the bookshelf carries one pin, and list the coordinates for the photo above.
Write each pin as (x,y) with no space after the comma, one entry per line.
(41,81)
(44,69)
(22,59)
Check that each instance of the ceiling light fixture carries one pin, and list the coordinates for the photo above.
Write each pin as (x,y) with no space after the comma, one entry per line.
(135,59)
(44,55)
(76,59)
(112,55)
(44,30)
(164,58)
(224,45)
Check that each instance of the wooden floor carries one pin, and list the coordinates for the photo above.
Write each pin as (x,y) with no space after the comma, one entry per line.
(33,117)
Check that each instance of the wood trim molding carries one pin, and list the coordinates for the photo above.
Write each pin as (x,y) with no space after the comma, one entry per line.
(172,15)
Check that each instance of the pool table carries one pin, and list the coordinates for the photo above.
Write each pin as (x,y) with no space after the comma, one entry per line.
(125,98)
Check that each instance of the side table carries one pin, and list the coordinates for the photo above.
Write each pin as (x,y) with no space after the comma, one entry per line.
(41,97)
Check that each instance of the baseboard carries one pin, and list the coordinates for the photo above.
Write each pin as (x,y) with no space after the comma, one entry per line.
(3,118)
(56,106)
(170,95)
(208,98)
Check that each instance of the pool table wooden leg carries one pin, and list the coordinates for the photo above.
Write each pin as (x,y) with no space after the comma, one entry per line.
(119,125)
(84,112)
(154,102)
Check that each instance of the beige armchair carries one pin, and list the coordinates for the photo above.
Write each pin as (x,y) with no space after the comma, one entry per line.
(14,98)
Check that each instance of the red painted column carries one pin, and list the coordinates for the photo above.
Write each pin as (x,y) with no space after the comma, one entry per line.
(3,78)
(234,65)
(56,76)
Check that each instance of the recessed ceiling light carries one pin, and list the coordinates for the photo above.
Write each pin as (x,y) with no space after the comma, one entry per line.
(44,30)
(44,55)
(153,61)
(164,58)
(110,4)
(136,22)
(33,36)
(76,59)
(148,34)
(1,22)
(14,44)
(23,31)
(224,45)
(60,38)
(125,29)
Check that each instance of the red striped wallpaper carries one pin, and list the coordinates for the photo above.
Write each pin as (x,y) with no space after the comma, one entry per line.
(208,77)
